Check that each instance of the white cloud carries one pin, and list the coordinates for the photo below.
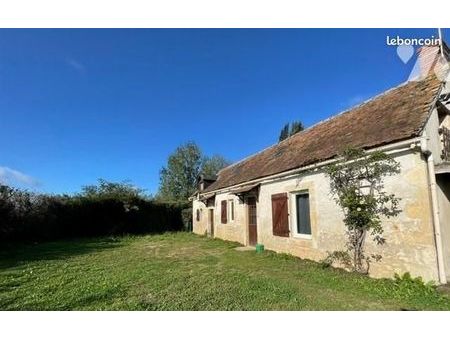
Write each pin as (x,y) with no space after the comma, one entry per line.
(78,66)
(14,177)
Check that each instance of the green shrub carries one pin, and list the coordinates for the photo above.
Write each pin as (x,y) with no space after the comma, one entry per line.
(108,210)
(405,284)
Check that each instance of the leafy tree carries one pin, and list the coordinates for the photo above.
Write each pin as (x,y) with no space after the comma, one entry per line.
(356,182)
(212,165)
(290,129)
(112,190)
(178,178)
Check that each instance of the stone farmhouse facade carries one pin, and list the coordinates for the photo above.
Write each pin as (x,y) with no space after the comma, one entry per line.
(280,196)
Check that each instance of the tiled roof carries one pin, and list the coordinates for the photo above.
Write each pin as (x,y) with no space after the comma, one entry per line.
(397,114)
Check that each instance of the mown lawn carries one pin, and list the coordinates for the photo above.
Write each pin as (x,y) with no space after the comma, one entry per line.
(181,271)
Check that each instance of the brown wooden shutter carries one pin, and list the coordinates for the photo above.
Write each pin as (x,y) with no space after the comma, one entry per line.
(224,212)
(280,219)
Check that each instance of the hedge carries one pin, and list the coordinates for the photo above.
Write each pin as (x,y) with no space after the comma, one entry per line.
(29,217)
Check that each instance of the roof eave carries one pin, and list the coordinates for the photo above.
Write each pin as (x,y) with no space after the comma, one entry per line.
(397,144)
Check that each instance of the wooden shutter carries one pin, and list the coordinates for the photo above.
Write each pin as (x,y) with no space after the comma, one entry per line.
(224,212)
(280,219)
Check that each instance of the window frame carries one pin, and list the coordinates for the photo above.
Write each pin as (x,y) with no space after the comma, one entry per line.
(293,214)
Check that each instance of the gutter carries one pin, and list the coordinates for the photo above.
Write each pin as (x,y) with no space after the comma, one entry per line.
(435,207)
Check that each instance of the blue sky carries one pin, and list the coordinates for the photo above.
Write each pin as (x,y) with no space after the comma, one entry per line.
(78,105)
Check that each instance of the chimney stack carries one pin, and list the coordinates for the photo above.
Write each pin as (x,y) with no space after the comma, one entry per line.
(431,61)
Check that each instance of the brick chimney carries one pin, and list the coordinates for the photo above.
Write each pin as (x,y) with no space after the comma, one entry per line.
(431,61)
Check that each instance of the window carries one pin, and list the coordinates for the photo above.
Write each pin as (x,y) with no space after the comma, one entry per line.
(223,212)
(302,211)
(231,210)
(198,215)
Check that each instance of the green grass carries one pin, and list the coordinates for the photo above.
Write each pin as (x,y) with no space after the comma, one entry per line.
(181,271)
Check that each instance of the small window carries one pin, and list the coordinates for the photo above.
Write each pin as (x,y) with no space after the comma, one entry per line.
(231,215)
(198,215)
(303,217)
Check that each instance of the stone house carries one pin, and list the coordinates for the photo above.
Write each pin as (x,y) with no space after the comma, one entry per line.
(280,196)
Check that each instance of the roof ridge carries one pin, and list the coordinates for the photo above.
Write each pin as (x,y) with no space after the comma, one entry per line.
(318,123)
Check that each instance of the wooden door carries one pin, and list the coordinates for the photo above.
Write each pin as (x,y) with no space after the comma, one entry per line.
(211,221)
(252,229)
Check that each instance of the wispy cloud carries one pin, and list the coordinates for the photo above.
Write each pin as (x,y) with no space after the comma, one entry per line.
(14,177)
(77,65)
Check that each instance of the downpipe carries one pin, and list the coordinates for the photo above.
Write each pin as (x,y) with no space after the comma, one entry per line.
(435,207)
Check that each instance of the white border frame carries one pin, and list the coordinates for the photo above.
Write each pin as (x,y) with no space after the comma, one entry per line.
(220,14)
(293,213)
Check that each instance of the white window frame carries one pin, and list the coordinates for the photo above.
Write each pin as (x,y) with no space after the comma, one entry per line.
(293,213)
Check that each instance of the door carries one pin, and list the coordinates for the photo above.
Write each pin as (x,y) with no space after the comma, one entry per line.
(252,232)
(211,221)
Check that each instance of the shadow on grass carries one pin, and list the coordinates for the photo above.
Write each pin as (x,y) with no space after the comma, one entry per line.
(13,255)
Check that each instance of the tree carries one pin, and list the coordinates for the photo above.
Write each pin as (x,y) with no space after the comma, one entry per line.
(113,190)
(212,165)
(296,127)
(284,133)
(290,129)
(356,182)
(178,178)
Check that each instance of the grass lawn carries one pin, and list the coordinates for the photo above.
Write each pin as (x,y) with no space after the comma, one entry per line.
(181,271)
